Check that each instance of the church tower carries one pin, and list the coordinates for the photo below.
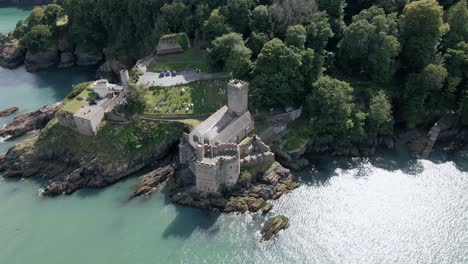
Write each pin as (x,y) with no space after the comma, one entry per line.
(238,93)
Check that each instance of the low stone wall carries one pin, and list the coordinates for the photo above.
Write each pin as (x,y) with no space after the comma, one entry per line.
(287,117)
(253,160)
(175,116)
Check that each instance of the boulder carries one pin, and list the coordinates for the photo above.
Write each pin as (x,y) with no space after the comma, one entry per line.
(67,60)
(8,111)
(267,208)
(11,54)
(273,225)
(87,58)
(41,60)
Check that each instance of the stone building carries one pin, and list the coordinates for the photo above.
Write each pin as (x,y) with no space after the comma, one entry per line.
(217,148)
(87,119)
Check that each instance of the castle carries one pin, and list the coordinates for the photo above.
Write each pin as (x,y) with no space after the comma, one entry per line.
(217,149)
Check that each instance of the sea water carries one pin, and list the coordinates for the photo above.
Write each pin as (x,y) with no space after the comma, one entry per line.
(387,209)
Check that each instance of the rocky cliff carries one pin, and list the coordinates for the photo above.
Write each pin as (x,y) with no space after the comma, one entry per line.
(70,161)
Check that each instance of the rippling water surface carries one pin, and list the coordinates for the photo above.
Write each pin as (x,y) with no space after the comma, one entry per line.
(389,209)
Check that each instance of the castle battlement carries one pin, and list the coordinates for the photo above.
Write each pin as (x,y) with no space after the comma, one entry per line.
(216,149)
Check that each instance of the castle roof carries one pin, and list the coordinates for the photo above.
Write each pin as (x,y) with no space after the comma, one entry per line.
(222,125)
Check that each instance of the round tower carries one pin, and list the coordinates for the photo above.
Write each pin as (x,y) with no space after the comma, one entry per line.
(238,93)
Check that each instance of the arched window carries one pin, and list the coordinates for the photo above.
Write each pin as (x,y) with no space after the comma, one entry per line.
(195,138)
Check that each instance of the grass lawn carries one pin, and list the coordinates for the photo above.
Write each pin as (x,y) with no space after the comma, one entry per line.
(198,97)
(75,104)
(191,59)
(299,132)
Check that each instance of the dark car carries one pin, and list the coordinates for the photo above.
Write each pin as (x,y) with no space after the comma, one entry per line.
(167,74)
(161,74)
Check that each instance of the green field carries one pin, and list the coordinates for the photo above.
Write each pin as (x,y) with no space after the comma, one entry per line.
(75,104)
(198,97)
(191,59)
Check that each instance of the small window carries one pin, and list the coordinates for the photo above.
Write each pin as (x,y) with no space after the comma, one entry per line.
(195,138)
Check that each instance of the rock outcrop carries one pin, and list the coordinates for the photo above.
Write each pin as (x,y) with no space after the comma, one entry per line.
(57,155)
(8,111)
(273,225)
(41,60)
(86,58)
(110,70)
(150,182)
(28,122)
(11,53)
(269,184)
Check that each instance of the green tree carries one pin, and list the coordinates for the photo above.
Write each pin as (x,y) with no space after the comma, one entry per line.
(331,104)
(37,39)
(260,20)
(37,17)
(52,13)
(457,18)
(335,9)
(136,102)
(173,14)
(291,12)
(278,81)
(318,32)
(312,67)
(421,29)
(380,115)
(229,53)
(238,62)
(422,94)
(256,42)
(237,14)
(296,36)
(215,26)
(370,45)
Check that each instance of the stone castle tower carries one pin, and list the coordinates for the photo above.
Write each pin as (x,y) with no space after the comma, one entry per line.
(238,93)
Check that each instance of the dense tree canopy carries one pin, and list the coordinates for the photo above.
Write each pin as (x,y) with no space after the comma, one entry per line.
(406,60)
(370,45)
(421,29)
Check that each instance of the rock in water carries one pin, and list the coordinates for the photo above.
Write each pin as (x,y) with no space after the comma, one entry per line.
(28,122)
(8,111)
(150,182)
(273,226)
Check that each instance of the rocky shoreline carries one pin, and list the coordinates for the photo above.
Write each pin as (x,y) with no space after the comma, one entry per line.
(63,54)
(28,122)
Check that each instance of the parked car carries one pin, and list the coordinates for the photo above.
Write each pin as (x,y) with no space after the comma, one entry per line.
(173,73)
(167,74)
(161,74)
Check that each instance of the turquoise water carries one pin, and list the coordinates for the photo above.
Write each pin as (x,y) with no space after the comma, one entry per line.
(388,209)
(9,15)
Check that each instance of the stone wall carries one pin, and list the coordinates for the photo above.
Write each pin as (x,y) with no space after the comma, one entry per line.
(257,159)
(208,177)
(287,117)
(230,170)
